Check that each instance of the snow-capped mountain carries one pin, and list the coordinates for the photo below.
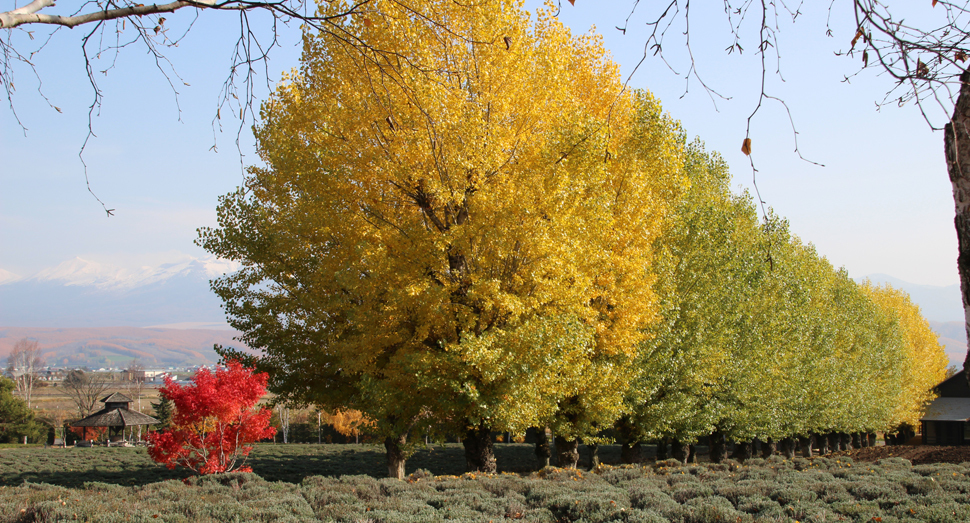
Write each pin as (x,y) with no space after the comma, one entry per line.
(81,272)
(83,293)
(8,277)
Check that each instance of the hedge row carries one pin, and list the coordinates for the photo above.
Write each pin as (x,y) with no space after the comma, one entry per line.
(772,490)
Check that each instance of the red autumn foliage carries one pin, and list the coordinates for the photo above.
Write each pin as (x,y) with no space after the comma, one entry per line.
(215,420)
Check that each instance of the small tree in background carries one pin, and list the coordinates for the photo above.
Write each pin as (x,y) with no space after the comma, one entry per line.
(215,420)
(348,422)
(23,364)
(16,419)
(85,389)
(163,412)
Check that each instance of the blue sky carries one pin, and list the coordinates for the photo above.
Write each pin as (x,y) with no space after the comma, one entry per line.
(882,203)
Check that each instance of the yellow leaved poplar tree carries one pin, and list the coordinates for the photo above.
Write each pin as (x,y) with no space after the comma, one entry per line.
(924,362)
(453,226)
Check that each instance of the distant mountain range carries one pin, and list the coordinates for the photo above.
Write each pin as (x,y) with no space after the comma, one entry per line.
(87,313)
(941,304)
(82,293)
(107,347)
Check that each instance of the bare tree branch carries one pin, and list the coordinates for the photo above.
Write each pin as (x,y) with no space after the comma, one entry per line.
(116,25)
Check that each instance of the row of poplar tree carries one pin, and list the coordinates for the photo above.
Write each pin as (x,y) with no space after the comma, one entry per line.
(479,227)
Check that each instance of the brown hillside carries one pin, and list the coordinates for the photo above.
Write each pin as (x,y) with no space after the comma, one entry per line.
(116,346)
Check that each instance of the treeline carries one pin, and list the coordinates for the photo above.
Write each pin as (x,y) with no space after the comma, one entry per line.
(761,338)
(495,234)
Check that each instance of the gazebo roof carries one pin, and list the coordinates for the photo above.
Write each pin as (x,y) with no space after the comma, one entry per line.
(115,418)
(117,397)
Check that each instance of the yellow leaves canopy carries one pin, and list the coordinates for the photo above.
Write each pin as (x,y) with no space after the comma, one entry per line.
(923,360)
(441,202)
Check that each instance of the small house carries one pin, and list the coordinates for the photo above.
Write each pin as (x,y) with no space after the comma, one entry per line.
(947,419)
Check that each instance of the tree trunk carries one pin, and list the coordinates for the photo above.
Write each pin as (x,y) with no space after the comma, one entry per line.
(479,454)
(872,439)
(631,453)
(717,446)
(567,452)
(768,448)
(692,454)
(679,451)
(787,448)
(742,450)
(806,443)
(856,441)
(594,455)
(662,449)
(543,451)
(395,455)
(833,441)
(956,147)
(845,441)
(821,443)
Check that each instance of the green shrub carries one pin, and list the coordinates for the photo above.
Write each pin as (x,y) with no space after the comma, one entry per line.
(918,486)
(947,512)
(894,464)
(874,489)
(858,510)
(733,491)
(618,476)
(643,516)
(828,492)
(712,509)
(787,495)
(759,505)
(684,492)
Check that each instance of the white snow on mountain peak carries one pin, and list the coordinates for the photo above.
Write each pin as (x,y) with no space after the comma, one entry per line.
(8,277)
(86,273)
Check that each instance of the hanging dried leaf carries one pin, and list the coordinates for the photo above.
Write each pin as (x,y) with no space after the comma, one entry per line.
(508,42)
(367,22)
(390,123)
(922,70)
(858,35)
(573,2)
(746,146)
(865,58)
(935,2)
(961,56)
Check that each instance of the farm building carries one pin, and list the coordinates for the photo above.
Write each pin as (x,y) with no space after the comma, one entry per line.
(947,418)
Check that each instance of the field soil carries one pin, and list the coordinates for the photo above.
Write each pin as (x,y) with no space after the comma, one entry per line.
(917,454)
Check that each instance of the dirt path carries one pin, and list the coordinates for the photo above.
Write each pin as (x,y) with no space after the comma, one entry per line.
(918,455)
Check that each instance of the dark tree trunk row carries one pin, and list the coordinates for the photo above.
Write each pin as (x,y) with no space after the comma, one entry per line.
(480,456)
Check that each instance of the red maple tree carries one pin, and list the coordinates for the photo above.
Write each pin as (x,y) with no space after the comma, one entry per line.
(215,420)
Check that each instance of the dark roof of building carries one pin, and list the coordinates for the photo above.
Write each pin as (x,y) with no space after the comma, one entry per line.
(948,409)
(955,386)
(115,418)
(117,397)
